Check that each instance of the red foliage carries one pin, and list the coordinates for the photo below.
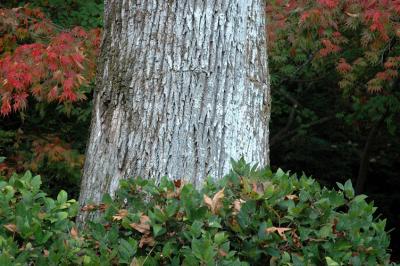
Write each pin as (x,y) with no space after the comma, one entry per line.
(329,3)
(48,148)
(357,34)
(329,48)
(343,66)
(51,65)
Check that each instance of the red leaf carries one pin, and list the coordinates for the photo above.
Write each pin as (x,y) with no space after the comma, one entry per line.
(20,101)
(68,84)
(53,94)
(343,66)
(65,60)
(5,106)
(36,91)
(329,3)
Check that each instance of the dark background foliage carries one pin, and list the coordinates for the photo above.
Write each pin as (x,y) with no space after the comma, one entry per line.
(67,13)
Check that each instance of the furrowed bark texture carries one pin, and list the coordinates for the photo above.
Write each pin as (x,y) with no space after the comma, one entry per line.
(182,87)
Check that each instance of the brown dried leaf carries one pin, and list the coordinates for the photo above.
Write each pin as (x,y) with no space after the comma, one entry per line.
(208,201)
(352,14)
(179,216)
(222,253)
(89,207)
(135,262)
(178,183)
(146,240)
(237,204)
(171,234)
(233,223)
(102,207)
(280,230)
(258,188)
(41,215)
(11,227)
(296,239)
(107,226)
(292,197)
(120,215)
(176,193)
(216,203)
(335,222)
(171,195)
(74,233)
(144,226)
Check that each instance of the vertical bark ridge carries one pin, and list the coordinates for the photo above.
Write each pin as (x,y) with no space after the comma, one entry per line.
(183,87)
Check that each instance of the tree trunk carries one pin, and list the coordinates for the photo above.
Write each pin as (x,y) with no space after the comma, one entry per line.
(182,87)
(365,156)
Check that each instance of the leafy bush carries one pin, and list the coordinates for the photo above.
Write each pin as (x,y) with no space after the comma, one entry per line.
(251,217)
(33,226)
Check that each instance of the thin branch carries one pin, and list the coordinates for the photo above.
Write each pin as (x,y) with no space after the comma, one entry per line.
(278,138)
(365,155)
(286,128)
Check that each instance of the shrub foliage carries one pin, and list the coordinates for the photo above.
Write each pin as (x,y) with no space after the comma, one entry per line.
(250,217)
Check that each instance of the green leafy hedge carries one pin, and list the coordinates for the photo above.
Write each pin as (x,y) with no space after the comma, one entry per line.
(251,217)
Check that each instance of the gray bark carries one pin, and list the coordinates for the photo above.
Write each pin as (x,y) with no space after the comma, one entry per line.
(182,87)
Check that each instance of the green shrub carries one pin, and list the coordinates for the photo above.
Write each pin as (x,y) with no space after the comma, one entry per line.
(251,217)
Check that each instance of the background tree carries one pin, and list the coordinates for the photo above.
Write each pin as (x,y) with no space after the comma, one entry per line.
(182,88)
(334,73)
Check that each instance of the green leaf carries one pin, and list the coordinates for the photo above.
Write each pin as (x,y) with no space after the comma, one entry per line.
(159,215)
(348,189)
(107,199)
(220,238)
(297,260)
(172,208)
(274,252)
(214,222)
(158,230)
(196,228)
(203,249)
(87,260)
(340,185)
(5,260)
(359,198)
(36,182)
(331,262)
(127,250)
(62,216)
(279,173)
(168,249)
(62,197)
(27,176)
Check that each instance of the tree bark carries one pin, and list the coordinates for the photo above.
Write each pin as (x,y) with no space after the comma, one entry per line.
(182,87)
